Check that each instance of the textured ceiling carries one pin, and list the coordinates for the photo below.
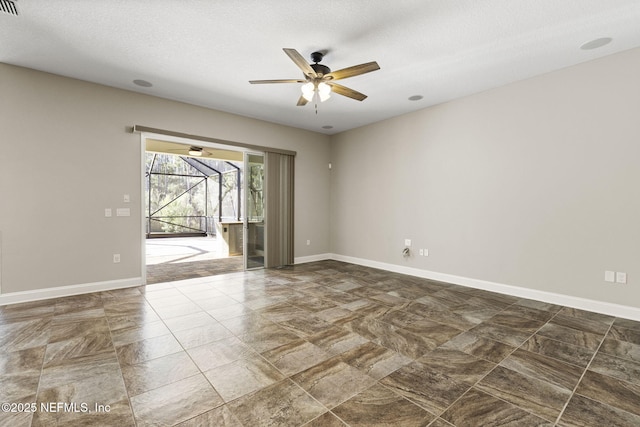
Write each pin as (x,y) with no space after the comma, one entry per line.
(204,52)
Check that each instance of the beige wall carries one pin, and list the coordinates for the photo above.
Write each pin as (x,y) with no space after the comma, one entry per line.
(535,184)
(65,156)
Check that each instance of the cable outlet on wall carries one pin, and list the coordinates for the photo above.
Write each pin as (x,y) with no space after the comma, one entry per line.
(407,242)
(621,277)
(116,258)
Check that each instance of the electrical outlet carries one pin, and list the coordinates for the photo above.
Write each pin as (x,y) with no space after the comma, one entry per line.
(116,258)
(107,212)
(426,252)
(421,252)
(621,277)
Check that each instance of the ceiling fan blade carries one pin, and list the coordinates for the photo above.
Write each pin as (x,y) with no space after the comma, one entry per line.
(259,82)
(300,62)
(356,70)
(345,91)
(301,102)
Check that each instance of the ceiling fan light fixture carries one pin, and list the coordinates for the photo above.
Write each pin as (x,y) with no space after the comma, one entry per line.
(310,89)
(195,151)
(324,90)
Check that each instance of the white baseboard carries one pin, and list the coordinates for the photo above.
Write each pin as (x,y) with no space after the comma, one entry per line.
(312,258)
(65,291)
(610,309)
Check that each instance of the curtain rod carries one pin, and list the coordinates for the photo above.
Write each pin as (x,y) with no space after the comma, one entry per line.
(142,129)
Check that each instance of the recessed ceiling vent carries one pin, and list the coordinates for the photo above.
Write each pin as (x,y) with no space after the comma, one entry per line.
(8,6)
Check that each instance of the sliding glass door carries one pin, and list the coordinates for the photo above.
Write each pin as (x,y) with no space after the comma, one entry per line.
(254,220)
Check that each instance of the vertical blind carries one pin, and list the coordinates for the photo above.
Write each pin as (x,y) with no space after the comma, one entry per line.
(279,173)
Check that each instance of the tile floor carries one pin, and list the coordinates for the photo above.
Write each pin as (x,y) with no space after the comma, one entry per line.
(164,272)
(319,344)
(180,258)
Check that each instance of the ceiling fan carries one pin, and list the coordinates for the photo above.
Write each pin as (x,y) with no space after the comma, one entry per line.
(192,151)
(319,80)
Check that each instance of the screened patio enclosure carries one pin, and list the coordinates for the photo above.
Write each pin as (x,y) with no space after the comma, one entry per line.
(220,192)
(188,196)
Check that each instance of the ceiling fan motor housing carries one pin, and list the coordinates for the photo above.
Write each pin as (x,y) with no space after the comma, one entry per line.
(319,68)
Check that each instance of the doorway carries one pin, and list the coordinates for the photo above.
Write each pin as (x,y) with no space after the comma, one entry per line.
(194,219)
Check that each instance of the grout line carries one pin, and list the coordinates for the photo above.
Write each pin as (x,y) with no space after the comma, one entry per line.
(44,355)
(258,354)
(115,350)
(498,364)
(200,371)
(405,398)
(595,353)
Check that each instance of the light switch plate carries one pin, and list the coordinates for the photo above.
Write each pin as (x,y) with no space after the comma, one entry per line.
(610,276)
(123,212)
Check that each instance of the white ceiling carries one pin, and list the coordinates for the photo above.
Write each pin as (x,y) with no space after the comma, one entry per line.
(204,52)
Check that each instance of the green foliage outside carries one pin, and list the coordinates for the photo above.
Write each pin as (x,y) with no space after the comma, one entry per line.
(179,198)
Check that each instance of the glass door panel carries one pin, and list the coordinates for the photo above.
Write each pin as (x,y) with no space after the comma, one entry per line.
(254,247)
